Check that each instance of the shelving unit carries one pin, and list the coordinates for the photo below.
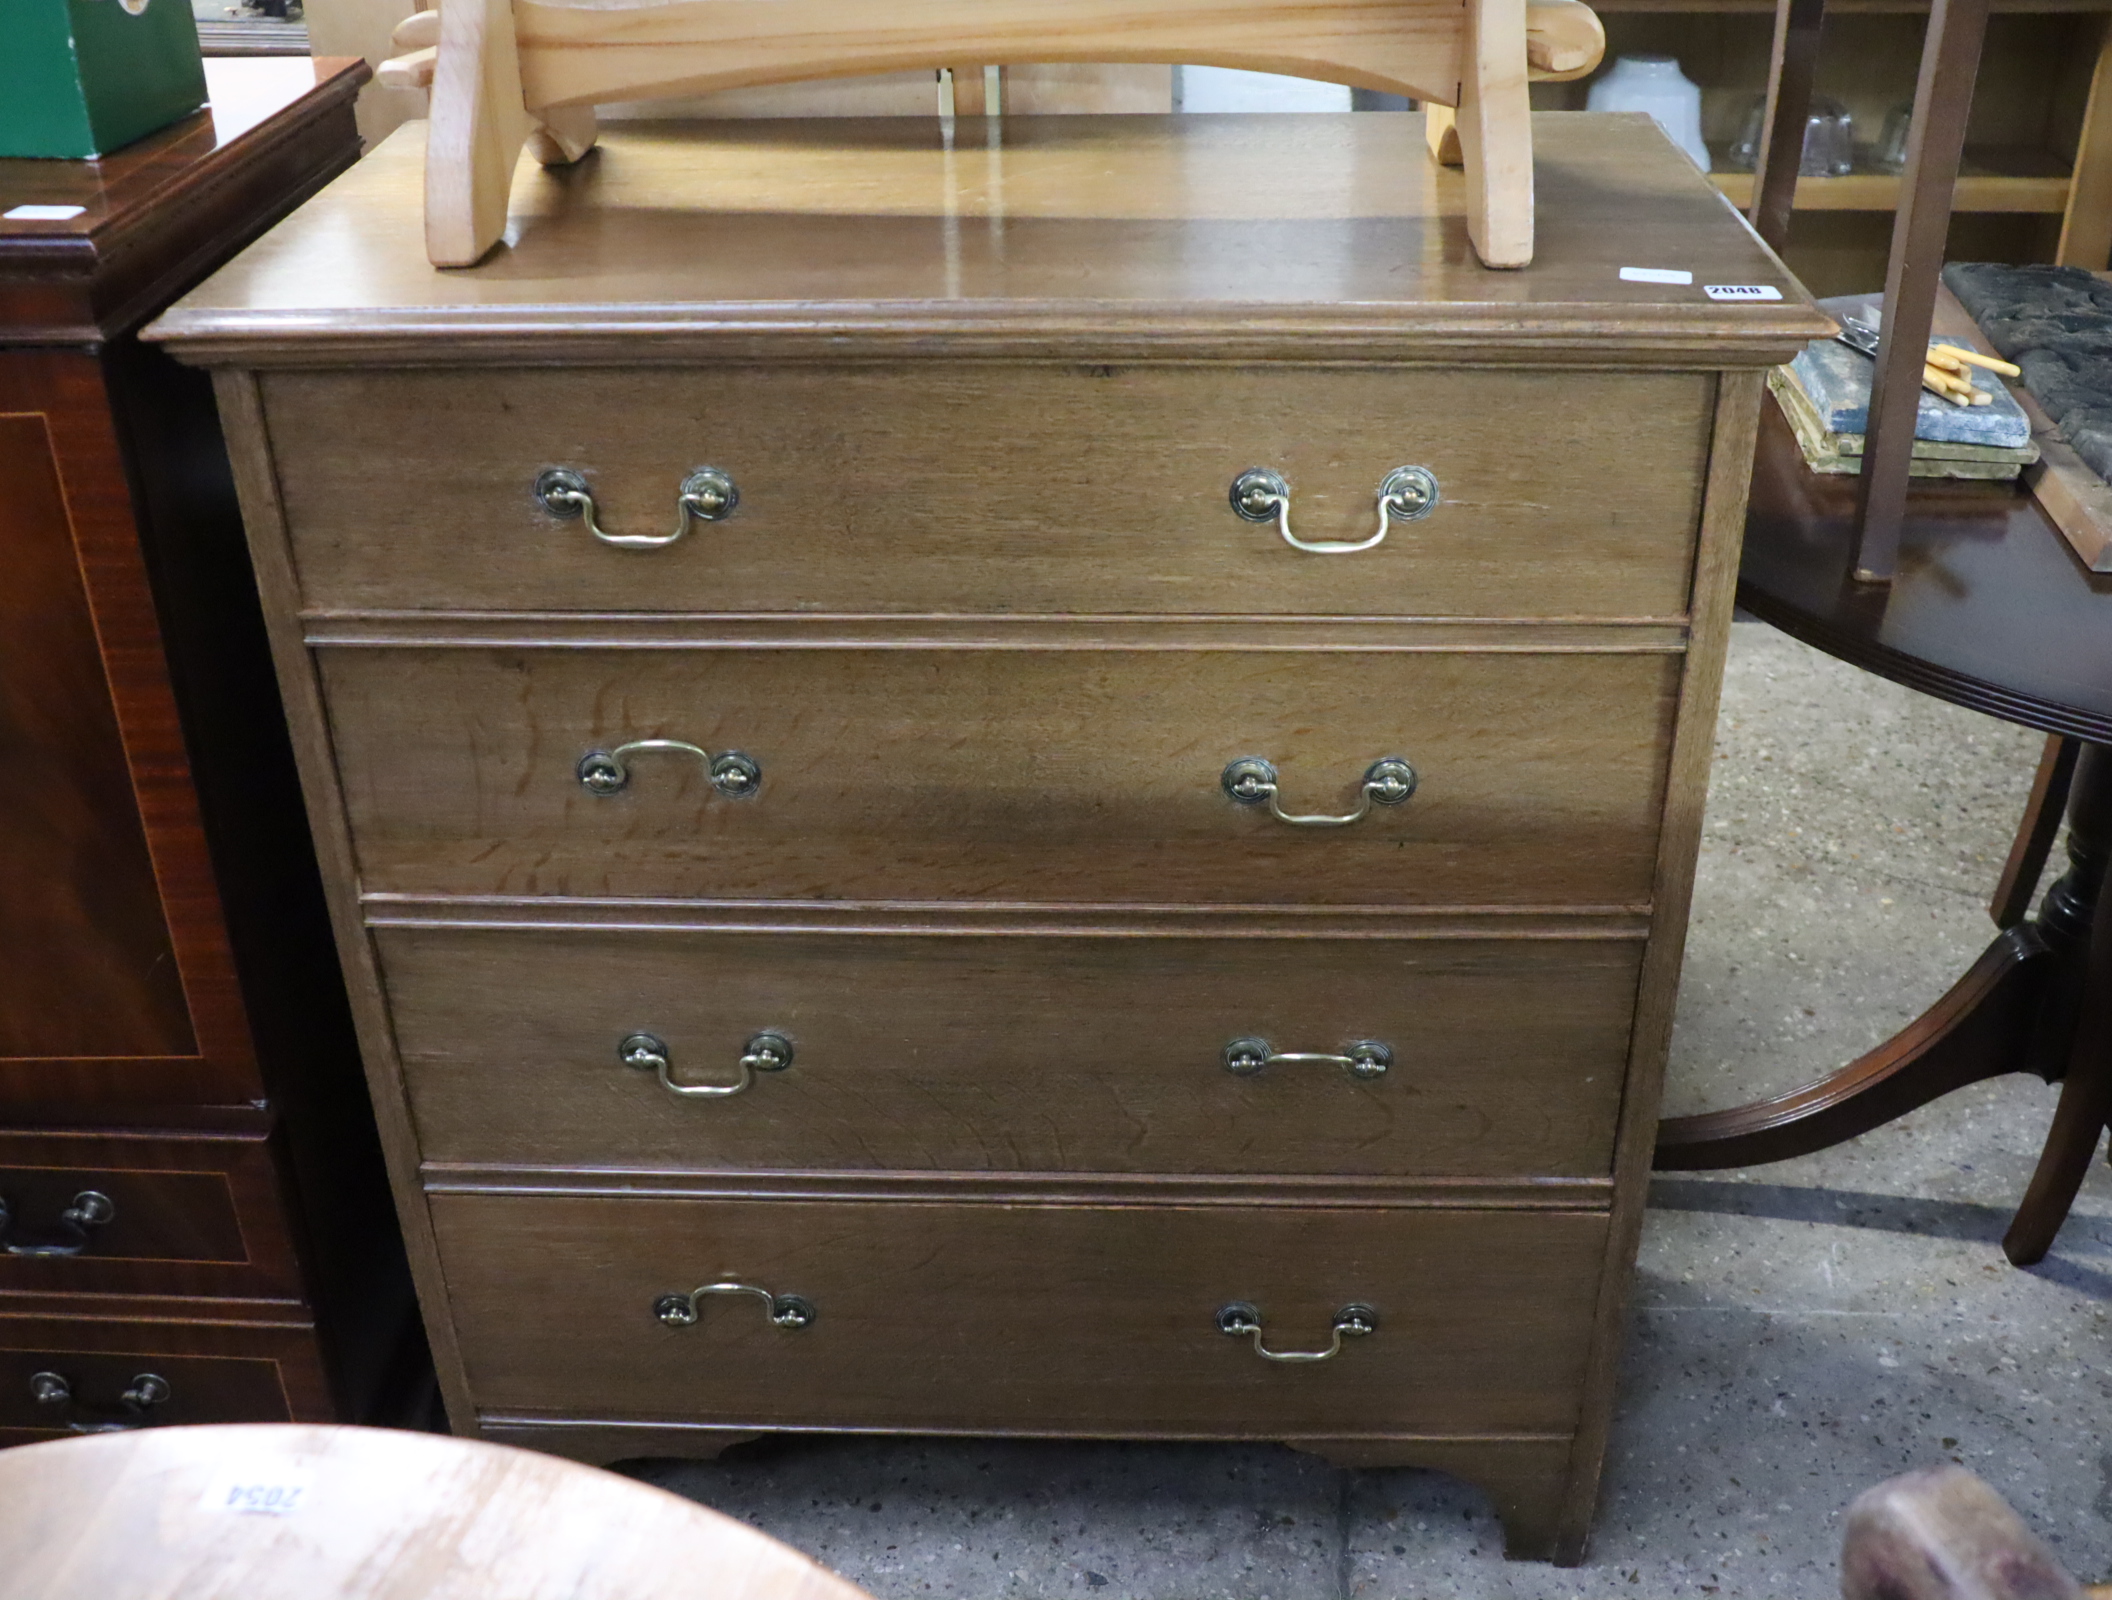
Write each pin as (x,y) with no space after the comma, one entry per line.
(2037,181)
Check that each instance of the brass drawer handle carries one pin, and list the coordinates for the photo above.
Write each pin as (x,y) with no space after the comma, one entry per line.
(149,1389)
(707,495)
(607,772)
(1241,1320)
(1366,1059)
(1251,781)
(766,1052)
(65,1236)
(1408,495)
(787,1311)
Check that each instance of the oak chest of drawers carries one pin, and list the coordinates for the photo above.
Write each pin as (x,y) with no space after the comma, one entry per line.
(889,883)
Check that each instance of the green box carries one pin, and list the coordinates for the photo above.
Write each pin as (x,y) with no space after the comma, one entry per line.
(81,77)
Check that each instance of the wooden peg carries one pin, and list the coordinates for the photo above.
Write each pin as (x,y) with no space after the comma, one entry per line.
(418,31)
(414,71)
(1564,39)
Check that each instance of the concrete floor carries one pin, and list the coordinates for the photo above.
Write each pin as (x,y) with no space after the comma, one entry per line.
(1800,1331)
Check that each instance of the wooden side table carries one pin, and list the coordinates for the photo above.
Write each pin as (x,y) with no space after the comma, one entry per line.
(1991,611)
(193,1216)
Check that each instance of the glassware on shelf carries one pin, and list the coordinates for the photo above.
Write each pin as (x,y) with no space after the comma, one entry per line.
(1891,152)
(1655,85)
(1829,140)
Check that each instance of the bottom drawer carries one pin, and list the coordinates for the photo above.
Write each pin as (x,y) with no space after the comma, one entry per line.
(1049,1318)
(53,1387)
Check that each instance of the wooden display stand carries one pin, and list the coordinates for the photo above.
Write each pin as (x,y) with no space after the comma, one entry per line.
(504,73)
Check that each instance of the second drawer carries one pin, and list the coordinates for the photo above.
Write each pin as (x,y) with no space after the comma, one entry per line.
(1493,1058)
(994,775)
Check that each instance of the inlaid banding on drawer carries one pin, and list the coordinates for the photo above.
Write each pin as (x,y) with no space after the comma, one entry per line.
(1011,1316)
(1004,776)
(958,487)
(1506,1058)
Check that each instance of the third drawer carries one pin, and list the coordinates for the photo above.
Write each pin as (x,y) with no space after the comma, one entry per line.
(1440,1057)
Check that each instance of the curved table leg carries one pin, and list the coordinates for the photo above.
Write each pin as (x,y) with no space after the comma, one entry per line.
(1972,1033)
(2086,1088)
(2039,1000)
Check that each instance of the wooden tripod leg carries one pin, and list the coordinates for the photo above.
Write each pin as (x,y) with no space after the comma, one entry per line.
(2086,1088)
(1975,1031)
(2034,841)
(477,126)
(1496,133)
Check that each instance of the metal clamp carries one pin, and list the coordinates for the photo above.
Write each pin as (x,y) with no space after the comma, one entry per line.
(1408,494)
(1242,1320)
(707,495)
(766,1052)
(67,1235)
(1250,781)
(1366,1059)
(607,772)
(149,1389)
(787,1311)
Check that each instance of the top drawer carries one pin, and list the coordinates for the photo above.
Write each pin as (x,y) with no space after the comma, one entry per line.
(988,488)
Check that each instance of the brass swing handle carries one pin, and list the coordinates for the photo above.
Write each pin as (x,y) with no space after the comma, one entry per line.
(1241,1320)
(766,1052)
(787,1311)
(67,1235)
(1408,495)
(54,1391)
(706,495)
(1367,1059)
(607,772)
(1251,781)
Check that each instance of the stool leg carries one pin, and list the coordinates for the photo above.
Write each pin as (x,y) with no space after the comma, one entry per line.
(477,126)
(1496,133)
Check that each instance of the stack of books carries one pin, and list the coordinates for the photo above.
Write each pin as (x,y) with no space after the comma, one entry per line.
(1825,395)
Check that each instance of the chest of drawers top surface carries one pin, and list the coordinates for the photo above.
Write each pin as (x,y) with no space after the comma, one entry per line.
(1298,237)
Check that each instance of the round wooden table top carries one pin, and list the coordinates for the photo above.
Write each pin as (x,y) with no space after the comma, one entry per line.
(1991,609)
(293,1512)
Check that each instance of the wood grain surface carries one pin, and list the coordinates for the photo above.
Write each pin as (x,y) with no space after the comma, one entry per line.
(198,1215)
(984,489)
(93,972)
(1072,1319)
(1031,1054)
(1005,775)
(377,1515)
(581,54)
(1311,238)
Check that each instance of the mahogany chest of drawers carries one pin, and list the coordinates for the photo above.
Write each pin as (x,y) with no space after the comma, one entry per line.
(909,859)
(194,1217)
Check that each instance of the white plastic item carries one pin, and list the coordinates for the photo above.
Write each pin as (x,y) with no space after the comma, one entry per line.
(1654,84)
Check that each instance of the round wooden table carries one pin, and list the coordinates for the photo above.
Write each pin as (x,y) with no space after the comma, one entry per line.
(1990,610)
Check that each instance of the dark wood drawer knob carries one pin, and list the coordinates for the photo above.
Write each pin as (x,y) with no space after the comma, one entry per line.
(134,1408)
(65,1235)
